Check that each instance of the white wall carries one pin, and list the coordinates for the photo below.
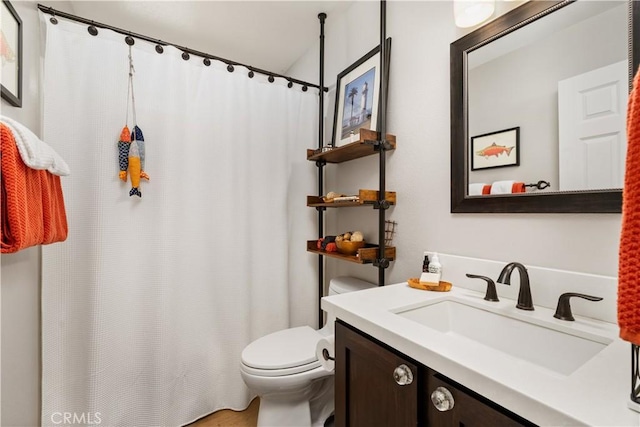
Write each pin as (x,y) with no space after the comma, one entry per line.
(20,272)
(418,169)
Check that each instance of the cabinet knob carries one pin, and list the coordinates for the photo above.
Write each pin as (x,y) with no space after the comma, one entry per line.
(403,375)
(442,399)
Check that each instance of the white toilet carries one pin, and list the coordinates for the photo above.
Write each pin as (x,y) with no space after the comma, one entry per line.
(283,370)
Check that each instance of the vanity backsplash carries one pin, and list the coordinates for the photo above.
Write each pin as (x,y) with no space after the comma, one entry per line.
(547,284)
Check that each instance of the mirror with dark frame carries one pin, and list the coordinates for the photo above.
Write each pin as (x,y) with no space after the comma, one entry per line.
(514,85)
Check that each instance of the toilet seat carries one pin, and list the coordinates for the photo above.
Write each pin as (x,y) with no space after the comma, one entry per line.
(285,352)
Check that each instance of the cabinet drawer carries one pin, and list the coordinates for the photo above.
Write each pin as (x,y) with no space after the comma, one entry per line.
(469,409)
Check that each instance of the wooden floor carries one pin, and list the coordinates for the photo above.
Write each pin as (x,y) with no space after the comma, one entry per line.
(229,418)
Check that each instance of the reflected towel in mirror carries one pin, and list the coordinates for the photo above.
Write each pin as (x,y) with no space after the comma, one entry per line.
(507,187)
(478,189)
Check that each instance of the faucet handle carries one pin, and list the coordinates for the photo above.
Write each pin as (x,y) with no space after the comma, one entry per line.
(491,294)
(563,311)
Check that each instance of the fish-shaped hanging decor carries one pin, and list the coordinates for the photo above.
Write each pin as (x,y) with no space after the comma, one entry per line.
(134,169)
(136,135)
(123,152)
(131,147)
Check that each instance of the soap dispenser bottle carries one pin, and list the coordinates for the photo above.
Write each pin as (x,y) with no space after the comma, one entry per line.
(434,265)
(425,263)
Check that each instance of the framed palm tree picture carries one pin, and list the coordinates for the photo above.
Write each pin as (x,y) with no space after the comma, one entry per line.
(358,97)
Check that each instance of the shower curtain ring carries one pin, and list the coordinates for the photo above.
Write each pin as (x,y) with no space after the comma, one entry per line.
(129,40)
(159,47)
(206,61)
(53,19)
(92,29)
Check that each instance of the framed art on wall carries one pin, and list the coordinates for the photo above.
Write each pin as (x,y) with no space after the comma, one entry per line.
(11,54)
(358,97)
(495,150)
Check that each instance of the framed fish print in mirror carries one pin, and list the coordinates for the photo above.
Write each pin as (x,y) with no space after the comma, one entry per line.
(495,150)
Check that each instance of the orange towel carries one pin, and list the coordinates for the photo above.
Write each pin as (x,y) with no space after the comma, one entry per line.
(32,210)
(629,259)
(518,187)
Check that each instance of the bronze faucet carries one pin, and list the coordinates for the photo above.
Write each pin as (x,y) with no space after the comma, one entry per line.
(525,301)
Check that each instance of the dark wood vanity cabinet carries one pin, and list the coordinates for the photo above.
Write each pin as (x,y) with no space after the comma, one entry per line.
(366,391)
(368,394)
(468,411)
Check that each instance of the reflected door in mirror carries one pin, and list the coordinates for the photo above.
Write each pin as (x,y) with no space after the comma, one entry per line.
(592,123)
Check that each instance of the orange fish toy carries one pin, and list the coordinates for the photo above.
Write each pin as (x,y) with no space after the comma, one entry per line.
(494,150)
(136,135)
(135,169)
(123,153)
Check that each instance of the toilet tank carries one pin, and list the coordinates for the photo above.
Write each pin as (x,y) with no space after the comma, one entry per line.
(342,285)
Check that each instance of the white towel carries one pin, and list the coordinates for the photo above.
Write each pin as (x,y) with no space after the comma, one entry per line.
(476,189)
(502,187)
(36,153)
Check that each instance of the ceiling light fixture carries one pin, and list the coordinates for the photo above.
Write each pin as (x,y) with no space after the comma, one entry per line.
(468,13)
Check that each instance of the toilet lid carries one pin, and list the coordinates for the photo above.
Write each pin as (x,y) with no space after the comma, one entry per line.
(283,349)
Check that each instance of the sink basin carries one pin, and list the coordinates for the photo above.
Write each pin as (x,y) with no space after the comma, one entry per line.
(535,342)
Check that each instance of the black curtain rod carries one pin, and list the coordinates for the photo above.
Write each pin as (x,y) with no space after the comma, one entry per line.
(158,42)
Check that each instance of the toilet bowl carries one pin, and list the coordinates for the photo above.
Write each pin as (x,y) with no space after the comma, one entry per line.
(283,370)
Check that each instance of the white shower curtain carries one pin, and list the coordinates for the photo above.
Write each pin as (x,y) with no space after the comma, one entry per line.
(148,305)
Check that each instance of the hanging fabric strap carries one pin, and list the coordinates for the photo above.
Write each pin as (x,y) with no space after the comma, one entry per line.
(130,91)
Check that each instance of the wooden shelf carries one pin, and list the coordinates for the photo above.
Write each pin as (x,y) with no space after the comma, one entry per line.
(365,255)
(316,202)
(353,150)
(366,197)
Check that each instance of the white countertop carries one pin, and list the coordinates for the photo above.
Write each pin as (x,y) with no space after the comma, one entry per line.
(595,394)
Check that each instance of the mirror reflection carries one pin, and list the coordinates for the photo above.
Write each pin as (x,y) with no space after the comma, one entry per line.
(547,103)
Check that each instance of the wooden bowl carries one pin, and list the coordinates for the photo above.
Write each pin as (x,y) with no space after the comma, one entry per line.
(348,247)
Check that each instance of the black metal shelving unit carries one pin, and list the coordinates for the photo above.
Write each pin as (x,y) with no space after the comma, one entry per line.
(370,143)
(382,145)
(320,164)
